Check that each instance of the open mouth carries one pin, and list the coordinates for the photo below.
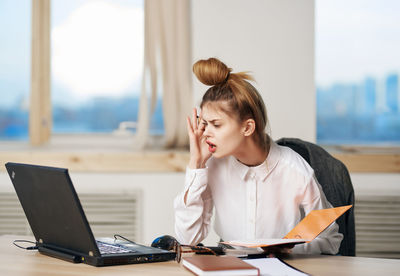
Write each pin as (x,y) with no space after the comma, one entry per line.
(211,147)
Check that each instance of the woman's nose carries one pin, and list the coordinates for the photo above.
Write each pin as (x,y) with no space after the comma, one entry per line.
(206,131)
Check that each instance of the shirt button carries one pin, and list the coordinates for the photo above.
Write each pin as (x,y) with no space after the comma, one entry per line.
(251,221)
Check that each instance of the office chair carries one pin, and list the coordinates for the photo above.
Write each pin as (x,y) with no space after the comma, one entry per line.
(335,180)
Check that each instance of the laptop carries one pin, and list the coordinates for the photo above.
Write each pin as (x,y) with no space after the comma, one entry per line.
(59,224)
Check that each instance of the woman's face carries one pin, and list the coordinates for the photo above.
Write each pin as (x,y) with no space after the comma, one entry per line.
(224,134)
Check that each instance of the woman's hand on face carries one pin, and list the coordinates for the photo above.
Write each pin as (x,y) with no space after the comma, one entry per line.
(199,152)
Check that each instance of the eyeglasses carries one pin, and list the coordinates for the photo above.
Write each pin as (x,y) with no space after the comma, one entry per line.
(179,249)
(170,243)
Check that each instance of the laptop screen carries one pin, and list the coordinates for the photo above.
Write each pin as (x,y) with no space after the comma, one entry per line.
(52,207)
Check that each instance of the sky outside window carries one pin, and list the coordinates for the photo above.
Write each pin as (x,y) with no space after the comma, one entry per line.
(357,71)
(97,60)
(15,50)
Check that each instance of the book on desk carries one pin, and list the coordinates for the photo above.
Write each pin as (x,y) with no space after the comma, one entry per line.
(218,265)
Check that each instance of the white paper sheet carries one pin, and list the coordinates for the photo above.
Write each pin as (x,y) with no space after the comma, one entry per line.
(264,242)
(274,267)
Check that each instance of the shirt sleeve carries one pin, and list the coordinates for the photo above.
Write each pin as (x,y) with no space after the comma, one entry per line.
(193,217)
(328,242)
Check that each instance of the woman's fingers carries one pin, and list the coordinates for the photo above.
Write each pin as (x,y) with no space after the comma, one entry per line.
(278,249)
(194,119)
(189,125)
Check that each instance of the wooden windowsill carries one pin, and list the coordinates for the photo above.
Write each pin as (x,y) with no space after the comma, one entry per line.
(140,162)
(96,153)
(105,153)
(365,159)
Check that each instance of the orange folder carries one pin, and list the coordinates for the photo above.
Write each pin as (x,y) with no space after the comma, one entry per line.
(305,231)
(315,222)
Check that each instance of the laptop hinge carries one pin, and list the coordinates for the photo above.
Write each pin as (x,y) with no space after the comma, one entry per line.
(60,254)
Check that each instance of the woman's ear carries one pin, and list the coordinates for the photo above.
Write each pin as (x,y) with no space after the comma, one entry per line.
(249,127)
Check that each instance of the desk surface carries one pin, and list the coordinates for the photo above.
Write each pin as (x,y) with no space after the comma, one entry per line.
(16,261)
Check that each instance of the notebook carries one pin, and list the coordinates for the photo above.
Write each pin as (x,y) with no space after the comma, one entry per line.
(59,223)
(218,265)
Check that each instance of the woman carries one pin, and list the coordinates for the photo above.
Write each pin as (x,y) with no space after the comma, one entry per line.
(259,189)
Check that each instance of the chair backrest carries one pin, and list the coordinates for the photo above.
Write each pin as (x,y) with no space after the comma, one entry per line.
(335,180)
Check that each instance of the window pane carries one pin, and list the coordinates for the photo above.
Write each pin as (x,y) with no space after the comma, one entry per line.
(15,34)
(357,67)
(97,60)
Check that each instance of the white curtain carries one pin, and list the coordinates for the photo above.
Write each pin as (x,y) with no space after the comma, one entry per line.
(167,60)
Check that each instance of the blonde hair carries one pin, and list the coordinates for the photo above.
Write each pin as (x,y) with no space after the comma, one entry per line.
(242,98)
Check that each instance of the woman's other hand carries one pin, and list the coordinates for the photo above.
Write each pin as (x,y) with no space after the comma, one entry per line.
(273,251)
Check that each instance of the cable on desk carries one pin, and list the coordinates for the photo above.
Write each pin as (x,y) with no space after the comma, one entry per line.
(116,236)
(25,241)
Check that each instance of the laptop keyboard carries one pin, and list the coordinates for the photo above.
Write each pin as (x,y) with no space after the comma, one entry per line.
(106,248)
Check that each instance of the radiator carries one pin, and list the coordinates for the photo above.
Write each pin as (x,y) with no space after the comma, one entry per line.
(108,214)
(12,217)
(377,220)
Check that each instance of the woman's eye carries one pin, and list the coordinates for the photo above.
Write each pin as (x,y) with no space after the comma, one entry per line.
(217,126)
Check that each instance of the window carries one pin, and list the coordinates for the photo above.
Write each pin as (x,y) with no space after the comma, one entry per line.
(15,29)
(357,72)
(89,102)
(96,67)
(97,60)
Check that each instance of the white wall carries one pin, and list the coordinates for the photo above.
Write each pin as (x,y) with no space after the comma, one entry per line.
(272,39)
(376,184)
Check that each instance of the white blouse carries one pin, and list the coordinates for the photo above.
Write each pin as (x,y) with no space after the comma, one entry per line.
(260,202)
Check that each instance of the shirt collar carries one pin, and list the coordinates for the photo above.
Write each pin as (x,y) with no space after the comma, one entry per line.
(273,157)
(261,171)
(238,167)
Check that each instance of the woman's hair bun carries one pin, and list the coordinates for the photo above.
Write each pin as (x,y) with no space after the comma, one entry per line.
(211,71)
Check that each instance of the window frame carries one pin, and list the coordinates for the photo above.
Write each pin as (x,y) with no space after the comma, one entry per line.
(40,121)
